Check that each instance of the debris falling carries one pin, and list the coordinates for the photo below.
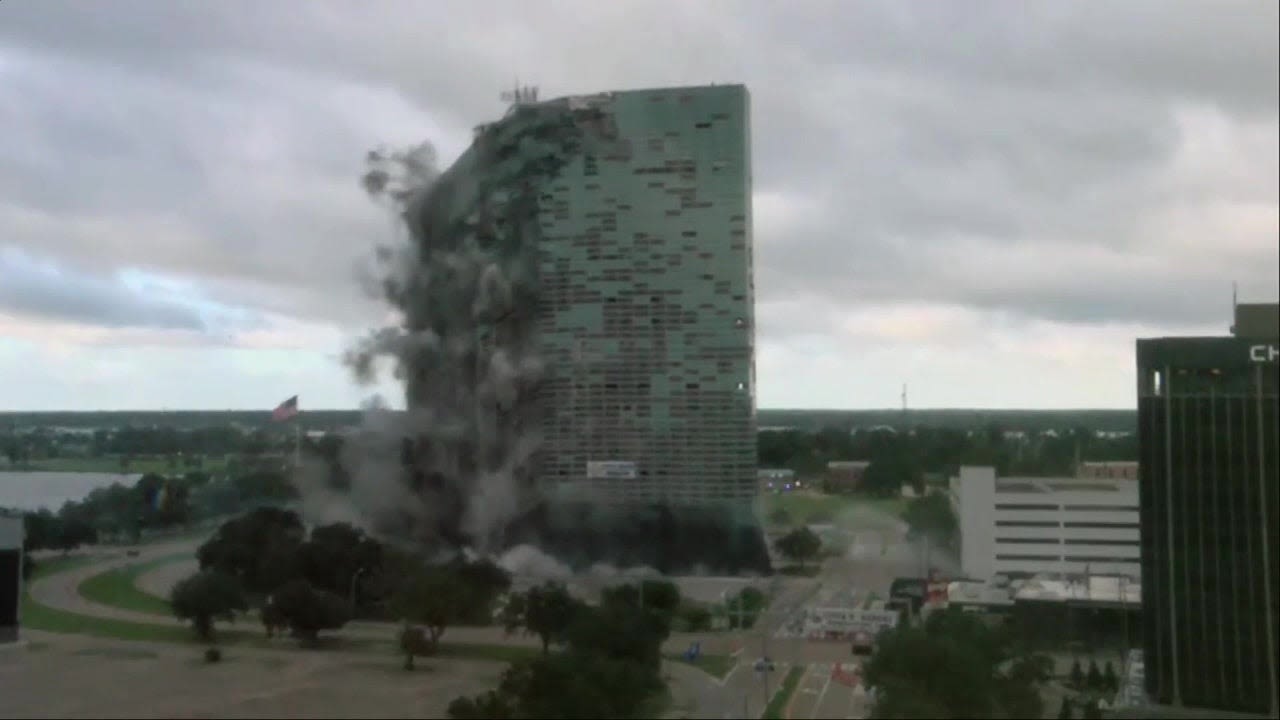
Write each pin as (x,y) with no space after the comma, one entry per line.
(456,471)
(456,468)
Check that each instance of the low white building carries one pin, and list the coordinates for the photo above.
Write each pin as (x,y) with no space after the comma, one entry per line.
(1068,526)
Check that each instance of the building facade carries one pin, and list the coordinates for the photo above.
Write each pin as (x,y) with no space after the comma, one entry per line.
(1208,442)
(647,303)
(1066,526)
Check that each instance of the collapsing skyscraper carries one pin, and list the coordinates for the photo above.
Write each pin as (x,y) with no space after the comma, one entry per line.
(583,279)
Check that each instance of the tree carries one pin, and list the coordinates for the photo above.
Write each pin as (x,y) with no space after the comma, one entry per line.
(696,618)
(207,596)
(1110,680)
(334,555)
(619,631)
(307,611)
(1077,676)
(260,549)
(779,516)
(1094,679)
(1092,711)
(1065,712)
(800,545)
(488,705)
(28,566)
(744,607)
(931,516)
(563,685)
(954,666)
(545,610)
(892,466)
(433,597)
(486,582)
(413,643)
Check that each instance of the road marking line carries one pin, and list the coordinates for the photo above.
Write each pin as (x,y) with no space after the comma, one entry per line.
(818,704)
(729,674)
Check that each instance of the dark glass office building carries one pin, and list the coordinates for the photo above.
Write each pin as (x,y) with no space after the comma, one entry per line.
(10,574)
(1208,450)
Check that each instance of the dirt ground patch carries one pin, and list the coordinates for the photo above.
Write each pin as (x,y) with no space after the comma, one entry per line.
(81,678)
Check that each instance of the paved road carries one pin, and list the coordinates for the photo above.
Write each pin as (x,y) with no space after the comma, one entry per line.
(825,694)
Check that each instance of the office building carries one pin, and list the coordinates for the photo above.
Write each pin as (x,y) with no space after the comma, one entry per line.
(620,225)
(11,534)
(1207,438)
(1031,525)
(647,295)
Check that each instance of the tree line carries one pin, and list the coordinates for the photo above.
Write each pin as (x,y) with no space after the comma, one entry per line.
(941,451)
(936,449)
(597,661)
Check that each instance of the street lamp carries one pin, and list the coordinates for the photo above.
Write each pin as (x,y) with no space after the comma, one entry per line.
(354,577)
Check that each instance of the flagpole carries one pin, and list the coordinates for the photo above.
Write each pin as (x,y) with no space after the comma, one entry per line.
(297,443)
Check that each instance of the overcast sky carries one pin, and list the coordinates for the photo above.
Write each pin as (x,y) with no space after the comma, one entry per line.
(986,200)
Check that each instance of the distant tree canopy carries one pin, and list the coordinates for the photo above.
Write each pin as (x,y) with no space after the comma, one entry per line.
(545,610)
(954,666)
(306,610)
(931,516)
(609,667)
(153,502)
(207,596)
(800,545)
(1032,450)
(260,549)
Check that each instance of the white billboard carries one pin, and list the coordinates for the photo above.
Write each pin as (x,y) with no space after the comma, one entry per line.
(611,470)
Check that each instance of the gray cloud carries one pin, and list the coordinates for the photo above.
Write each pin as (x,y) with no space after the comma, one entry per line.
(28,287)
(1026,159)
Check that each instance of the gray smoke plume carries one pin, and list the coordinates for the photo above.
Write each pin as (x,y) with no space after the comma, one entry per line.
(455,469)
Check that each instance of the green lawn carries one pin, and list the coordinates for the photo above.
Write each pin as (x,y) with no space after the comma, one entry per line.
(778,704)
(111,464)
(55,565)
(814,507)
(118,587)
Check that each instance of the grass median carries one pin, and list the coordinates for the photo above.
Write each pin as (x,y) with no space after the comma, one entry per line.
(118,587)
(776,709)
(803,507)
(37,616)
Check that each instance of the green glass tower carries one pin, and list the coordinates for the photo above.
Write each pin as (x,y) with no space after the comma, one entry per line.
(646,303)
(578,340)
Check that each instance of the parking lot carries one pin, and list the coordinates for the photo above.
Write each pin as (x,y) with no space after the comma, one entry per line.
(829,690)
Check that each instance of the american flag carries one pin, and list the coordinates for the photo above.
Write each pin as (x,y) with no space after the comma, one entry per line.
(287,409)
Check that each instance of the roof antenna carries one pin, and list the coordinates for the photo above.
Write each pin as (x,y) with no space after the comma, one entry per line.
(1235,307)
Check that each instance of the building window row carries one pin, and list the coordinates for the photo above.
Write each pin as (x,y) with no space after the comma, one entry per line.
(1102,525)
(1018,506)
(1027,523)
(1100,559)
(1036,558)
(1113,543)
(1103,508)
(1028,541)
